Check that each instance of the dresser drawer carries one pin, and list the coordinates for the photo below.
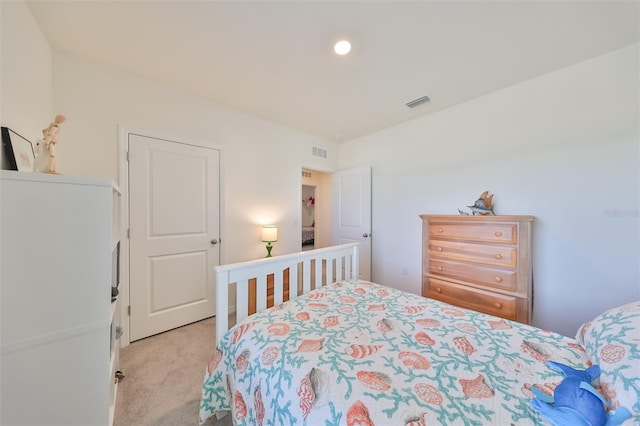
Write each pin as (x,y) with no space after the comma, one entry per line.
(489,254)
(471,298)
(493,277)
(477,231)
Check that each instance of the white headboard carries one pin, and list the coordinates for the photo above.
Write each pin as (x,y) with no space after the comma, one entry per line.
(340,263)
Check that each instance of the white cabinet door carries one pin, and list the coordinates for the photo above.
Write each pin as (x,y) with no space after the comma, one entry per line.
(55,270)
(174,213)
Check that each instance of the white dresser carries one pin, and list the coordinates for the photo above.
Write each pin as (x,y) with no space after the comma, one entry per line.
(58,235)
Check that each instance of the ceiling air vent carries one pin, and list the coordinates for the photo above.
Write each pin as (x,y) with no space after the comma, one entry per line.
(319,152)
(417,102)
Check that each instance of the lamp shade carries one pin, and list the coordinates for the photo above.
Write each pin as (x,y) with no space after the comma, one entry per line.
(269,233)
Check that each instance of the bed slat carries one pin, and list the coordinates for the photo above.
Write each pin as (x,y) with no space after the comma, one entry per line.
(293,282)
(318,276)
(306,276)
(261,293)
(329,272)
(278,288)
(339,271)
(242,300)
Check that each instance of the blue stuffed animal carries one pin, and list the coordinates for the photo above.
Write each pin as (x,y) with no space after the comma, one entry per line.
(575,402)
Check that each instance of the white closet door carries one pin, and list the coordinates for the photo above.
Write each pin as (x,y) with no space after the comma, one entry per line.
(351,220)
(174,214)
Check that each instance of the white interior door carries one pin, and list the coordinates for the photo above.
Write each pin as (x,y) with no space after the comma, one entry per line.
(351,221)
(174,219)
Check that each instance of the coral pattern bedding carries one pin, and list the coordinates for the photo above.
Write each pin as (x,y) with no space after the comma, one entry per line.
(612,341)
(359,353)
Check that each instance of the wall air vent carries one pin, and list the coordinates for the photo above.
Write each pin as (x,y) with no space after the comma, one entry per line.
(319,152)
(417,102)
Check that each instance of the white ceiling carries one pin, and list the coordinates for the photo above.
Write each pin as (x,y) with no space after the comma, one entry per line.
(274,59)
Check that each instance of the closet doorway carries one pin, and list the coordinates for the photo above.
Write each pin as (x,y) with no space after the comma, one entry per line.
(308,217)
(315,209)
(341,208)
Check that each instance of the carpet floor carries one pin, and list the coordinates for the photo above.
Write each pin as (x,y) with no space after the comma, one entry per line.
(163,378)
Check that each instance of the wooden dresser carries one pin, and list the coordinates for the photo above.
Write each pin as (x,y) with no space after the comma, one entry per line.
(479,262)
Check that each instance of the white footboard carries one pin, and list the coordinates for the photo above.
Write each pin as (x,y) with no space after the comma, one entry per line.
(329,264)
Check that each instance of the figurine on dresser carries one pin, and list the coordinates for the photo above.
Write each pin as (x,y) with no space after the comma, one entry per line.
(46,147)
(41,161)
(482,206)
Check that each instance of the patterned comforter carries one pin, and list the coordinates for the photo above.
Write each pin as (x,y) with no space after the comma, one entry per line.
(359,353)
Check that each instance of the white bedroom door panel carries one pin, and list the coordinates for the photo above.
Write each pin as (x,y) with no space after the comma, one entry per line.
(351,205)
(174,217)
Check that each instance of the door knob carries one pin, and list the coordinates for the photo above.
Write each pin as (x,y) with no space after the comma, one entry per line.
(214,241)
(365,235)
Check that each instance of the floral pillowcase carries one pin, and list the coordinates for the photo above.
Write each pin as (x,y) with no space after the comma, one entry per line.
(612,340)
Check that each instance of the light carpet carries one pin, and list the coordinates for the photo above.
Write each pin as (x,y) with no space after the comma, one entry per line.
(163,377)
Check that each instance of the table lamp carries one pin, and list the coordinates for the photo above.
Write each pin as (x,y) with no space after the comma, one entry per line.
(269,235)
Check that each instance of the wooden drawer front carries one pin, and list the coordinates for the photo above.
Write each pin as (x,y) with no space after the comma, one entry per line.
(493,277)
(484,232)
(470,298)
(500,255)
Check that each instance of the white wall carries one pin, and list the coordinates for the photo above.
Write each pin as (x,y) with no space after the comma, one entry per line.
(563,147)
(262,161)
(26,89)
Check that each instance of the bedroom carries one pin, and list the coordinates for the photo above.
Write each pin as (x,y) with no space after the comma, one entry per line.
(562,146)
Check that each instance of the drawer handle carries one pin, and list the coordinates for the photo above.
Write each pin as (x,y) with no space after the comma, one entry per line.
(438,290)
(440,268)
(498,279)
(498,234)
(497,305)
(440,230)
(439,248)
(498,256)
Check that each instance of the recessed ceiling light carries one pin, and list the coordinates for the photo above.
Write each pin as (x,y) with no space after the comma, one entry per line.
(342,47)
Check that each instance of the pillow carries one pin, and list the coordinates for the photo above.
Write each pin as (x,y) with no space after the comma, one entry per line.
(612,340)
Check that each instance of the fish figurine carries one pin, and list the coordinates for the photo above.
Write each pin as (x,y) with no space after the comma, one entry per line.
(483,206)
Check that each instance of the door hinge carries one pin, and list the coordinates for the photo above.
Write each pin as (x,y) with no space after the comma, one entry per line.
(128,233)
(129,310)
(127,156)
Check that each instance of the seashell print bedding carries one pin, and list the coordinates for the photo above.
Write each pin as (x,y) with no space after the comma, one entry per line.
(359,353)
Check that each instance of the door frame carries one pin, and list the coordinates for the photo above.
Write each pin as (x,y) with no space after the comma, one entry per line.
(331,225)
(324,225)
(123,179)
(315,210)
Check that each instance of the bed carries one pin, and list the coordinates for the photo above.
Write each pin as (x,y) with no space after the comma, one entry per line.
(308,235)
(343,351)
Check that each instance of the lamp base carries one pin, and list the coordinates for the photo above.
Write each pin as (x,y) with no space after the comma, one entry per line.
(269,247)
